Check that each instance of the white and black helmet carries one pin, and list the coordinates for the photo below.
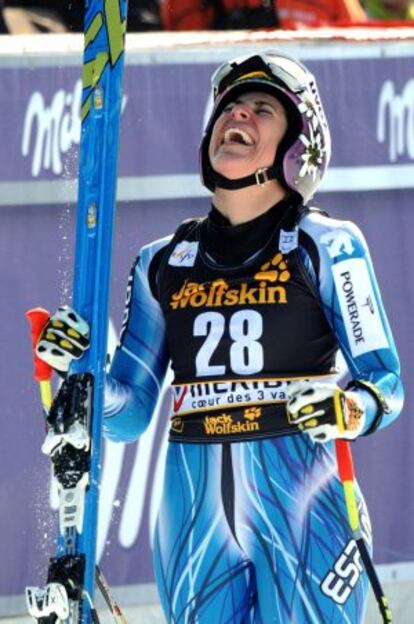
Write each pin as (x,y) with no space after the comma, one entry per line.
(304,152)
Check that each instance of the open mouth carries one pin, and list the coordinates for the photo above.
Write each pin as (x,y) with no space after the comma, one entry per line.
(236,135)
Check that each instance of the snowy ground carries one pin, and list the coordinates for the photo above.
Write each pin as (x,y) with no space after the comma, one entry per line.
(401,597)
(148,614)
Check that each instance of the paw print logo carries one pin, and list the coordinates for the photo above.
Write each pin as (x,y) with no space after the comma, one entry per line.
(251,413)
(177,425)
(274,270)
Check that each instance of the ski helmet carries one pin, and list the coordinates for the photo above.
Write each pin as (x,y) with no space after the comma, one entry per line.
(304,152)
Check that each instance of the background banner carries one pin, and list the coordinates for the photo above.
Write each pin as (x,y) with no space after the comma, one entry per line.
(368,92)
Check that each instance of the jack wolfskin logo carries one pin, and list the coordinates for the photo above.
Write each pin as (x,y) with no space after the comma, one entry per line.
(268,290)
(177,425)
(225,425)
(251,413)
(275,270)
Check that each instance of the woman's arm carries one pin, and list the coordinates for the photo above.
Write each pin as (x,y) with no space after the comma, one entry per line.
(349,293)
(141,359)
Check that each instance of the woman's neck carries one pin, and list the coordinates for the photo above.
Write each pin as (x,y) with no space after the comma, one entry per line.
(232,245)
(247,203)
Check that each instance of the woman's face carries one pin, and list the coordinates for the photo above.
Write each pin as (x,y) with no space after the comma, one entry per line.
(247,134)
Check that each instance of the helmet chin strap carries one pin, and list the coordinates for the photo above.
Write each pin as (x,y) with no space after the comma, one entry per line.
(259,178)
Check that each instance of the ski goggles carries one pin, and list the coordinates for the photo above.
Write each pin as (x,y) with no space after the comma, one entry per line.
(266,67)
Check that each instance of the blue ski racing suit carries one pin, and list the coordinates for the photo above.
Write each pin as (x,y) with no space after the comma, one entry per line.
(253,525)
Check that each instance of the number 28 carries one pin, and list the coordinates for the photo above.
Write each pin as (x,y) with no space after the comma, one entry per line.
(246,352)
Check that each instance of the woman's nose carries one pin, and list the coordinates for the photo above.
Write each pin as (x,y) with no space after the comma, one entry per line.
(240,111)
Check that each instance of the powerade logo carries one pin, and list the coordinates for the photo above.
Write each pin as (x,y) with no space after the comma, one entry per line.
(395,123)
(352,307)
(359,309)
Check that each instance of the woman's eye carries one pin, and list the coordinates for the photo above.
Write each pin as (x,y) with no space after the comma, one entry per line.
(264,111)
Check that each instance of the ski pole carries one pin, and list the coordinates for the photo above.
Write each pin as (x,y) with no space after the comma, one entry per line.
(112,604)
(347,476)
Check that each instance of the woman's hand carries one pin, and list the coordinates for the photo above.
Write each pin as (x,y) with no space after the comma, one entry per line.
(324,411)
(64,338)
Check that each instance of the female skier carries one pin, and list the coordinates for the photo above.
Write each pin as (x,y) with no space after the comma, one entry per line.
(251,305)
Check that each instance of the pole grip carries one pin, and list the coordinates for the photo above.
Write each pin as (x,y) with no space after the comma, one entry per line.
(38,317)
(344,460)
(346,474)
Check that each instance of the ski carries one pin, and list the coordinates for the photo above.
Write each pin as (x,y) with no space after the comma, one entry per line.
(74,420)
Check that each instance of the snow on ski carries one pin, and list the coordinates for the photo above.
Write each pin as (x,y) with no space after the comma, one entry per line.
(75,417)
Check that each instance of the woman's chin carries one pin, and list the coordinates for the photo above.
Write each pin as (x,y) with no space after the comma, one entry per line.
(234,170)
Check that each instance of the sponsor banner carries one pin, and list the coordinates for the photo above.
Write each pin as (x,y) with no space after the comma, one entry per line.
(214,395)
(359,308)
(39,114)
(236,423)
(233,424)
